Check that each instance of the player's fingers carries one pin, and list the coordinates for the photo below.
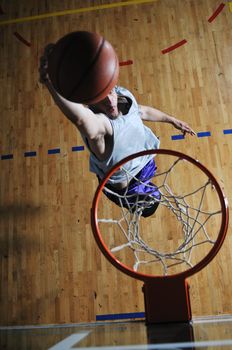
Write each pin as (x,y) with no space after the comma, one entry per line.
(192,132)
(189,130)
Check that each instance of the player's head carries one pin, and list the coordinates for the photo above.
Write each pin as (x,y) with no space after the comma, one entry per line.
(108,106)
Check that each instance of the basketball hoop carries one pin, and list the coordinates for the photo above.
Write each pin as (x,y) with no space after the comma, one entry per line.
(178,240)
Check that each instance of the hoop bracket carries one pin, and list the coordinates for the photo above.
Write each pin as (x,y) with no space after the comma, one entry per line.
(175,292)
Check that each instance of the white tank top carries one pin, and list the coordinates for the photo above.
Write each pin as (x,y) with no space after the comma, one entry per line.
(130,136)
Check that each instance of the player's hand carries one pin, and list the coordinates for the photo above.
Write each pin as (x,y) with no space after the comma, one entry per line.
(183,127)
(43,74)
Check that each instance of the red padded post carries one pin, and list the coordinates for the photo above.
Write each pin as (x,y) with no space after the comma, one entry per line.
(167,300)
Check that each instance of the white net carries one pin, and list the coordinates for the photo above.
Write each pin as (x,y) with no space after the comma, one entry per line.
(178,235)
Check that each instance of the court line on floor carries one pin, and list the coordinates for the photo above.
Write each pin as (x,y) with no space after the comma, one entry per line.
(52,151)
(173,47)
(216,12)
(75,11)
(7,156)
(227,131)
(20,38)
(177,137)
(199,135)
(70,341)
(184,41)
(125,63)
(30,154)
(204,134)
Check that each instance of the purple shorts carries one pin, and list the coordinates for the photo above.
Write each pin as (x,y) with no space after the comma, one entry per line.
(137,191)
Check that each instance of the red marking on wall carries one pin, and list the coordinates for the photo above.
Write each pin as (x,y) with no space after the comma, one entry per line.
(216,13)
(125,63)
(173,47)
(20,38)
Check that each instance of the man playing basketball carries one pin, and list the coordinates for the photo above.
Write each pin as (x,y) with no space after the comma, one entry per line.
(113,129)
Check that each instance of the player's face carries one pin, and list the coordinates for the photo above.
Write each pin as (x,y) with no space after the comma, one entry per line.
(109,105)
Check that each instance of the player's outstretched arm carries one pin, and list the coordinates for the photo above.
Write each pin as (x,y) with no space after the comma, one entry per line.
(154,115)
(88,123)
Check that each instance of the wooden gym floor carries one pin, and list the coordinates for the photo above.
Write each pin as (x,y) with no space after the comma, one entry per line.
(51,269)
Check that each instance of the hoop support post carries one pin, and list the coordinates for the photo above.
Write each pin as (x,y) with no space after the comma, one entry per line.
(176,306)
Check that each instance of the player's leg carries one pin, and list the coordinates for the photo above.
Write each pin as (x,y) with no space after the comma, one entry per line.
(141,195)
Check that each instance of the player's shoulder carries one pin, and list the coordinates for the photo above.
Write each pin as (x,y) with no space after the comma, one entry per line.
(123,92)
(120,89)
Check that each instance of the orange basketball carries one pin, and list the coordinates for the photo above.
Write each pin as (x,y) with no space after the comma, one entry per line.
(83,67)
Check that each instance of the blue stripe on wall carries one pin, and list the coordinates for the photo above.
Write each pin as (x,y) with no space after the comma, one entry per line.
(120,316)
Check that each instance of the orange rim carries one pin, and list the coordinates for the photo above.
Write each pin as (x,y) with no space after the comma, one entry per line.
(182,275)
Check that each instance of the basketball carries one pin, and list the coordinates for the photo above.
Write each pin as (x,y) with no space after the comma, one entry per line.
(83,67)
